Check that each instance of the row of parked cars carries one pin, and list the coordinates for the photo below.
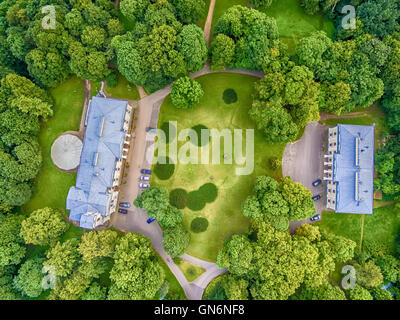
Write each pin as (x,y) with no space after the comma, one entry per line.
(316,183)
(124,205)
(145,177)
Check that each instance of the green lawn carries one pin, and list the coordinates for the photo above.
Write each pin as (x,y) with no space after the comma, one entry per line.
(123,90)
(203,19)
(367,117)
(223,214)
(174,286)
(293,22)
(190,271)
(51,185)
(382,226)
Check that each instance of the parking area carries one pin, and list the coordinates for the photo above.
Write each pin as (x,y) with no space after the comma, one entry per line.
(303,161)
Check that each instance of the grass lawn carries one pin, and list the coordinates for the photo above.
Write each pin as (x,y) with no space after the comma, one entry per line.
(52,185)
(191,271)
(382,226)
(368,116)
(123,90)
(202,21)
(223,214)
(293,22)
(174,285)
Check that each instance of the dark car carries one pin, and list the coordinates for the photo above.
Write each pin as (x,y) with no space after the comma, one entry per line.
(144,185)
(150,220)
(316,217)
(316,183)
(317,197)
(145,171)
(123,211)
(125,204)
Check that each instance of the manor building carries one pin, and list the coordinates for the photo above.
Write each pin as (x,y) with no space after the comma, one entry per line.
(94,198)
(349,169)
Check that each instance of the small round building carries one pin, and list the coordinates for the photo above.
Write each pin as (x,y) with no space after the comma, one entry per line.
(66,152)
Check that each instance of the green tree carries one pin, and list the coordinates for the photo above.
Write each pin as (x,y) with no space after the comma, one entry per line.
(136,272)
(235,289)
(134,9)
(63,257)
(49,69)
(97,244)
(95,292)
(390,267)
(274,121)
(191,43)
(186,93)
(43,226)
(325,291)
(156,202)
(12,249)
(359,293)
(175,240)
(222,52)
(299,199)
(369,275)
(380,17)
(236,255)
(29,278)
(381,294)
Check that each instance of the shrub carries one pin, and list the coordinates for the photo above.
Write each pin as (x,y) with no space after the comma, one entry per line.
(198,199)
(229,96)
(178,198)
(199,224)
(198,129)
(274,163)
(208,192)
(195,202)
(164,171)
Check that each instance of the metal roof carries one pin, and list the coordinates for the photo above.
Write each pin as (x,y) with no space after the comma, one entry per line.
(102,147)
(354,169)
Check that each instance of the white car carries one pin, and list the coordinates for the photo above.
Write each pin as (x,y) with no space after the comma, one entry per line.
(144,185)
(145,178)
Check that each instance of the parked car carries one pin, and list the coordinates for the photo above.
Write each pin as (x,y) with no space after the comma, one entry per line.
(144,185)
(145,178)
(316,183)
(123,211)
(316,217)
(125,204)
(317,197)
(149,129)
(150,220)
(145,171)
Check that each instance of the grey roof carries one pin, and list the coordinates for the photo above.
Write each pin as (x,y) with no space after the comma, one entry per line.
(355,179)
(102,147)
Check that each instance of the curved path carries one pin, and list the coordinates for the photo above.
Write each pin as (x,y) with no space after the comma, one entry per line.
(146,114)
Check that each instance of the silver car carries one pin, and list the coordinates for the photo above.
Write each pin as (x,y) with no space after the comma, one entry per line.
(144,185)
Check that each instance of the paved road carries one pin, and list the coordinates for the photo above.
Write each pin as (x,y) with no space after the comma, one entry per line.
(303,161)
